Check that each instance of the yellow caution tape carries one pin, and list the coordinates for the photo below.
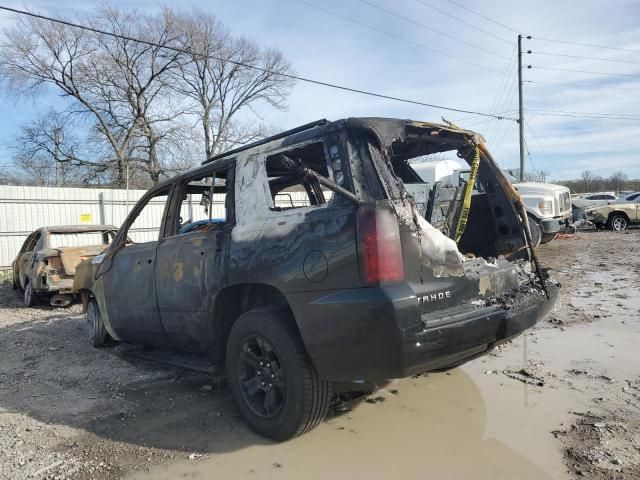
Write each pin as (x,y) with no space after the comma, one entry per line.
(466,202)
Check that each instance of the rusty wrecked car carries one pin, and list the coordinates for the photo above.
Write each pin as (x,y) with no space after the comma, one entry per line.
(316,262)
(46,264)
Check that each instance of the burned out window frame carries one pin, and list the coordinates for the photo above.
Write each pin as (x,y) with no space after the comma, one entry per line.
(329,163)
(167,190)
(180,186)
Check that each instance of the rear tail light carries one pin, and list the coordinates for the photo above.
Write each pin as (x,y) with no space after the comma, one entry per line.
(379,246)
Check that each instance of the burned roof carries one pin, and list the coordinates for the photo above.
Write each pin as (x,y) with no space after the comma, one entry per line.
(80,228)
(445,136)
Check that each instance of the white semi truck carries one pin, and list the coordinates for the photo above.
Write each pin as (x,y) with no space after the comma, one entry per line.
(548,205)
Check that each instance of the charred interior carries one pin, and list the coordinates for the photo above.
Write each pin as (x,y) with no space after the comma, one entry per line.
(493,227)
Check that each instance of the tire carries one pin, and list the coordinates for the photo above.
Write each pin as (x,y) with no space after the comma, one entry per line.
(98,336)
(264,343)
(618,223)
(536,232)
(14,282)
(30,298)
(547,237)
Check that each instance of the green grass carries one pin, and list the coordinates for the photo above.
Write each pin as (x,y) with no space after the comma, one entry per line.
(5,276)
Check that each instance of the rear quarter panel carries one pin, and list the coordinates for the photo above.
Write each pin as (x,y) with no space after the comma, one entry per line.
(308,248)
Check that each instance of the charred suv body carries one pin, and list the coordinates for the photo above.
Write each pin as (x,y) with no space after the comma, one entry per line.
(320,260)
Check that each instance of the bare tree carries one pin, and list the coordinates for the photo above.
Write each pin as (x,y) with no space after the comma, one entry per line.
(220,81)
(136,78)
(587,178)
(48,151)
(618,180)
(117,83)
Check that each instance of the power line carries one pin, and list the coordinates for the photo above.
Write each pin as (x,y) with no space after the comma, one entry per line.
(477,116)
(426,27)
(253,67)
(535,137)
(495,104)
(582,57)
(567,42)
(497,128)
(581,85)
(393,35)
(631,115)
(484,16)
(595,117)
(585,71)
(444,12)
(529,154)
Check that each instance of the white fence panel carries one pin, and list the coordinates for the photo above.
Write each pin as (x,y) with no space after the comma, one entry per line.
(25,209)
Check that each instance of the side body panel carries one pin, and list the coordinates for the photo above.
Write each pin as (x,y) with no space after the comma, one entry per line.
(190,270)
(128,282)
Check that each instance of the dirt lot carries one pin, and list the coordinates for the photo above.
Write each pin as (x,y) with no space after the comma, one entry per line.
(562,401)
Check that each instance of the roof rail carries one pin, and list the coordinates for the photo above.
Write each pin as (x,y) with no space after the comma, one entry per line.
(286,133)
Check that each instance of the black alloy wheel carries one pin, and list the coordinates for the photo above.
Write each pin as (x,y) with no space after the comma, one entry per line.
(261,377)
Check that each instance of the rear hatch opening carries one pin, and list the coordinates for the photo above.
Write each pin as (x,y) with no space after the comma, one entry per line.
(472,227)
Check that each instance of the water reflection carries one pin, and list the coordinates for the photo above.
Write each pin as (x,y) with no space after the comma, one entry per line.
(435,427)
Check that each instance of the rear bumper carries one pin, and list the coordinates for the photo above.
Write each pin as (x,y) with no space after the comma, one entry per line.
(373,334)
(57,284)
(557,224)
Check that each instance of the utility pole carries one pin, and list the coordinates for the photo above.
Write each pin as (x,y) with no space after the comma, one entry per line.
(57,140)
(520,108)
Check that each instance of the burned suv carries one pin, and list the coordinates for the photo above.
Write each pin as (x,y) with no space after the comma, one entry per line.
(315,261)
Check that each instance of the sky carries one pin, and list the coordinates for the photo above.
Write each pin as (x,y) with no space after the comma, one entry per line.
(460,67)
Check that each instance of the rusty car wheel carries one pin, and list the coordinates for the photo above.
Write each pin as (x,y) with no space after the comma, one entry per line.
(274,384)
(30,298)
(98,335)
(618,223)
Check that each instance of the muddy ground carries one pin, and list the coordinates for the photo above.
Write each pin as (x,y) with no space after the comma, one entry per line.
(562,401)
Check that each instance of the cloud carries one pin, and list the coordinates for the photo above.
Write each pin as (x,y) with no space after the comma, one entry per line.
(327,48)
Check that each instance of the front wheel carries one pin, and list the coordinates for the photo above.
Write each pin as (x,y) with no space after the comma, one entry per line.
(273,382)
(618,223)
(547,237)
(536,232)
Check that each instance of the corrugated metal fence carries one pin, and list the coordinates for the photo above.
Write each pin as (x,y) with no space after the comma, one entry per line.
(25,209)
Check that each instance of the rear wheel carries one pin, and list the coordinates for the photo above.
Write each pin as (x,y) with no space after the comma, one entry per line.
(273,382)
(98,335)
(618,222)
(30,298)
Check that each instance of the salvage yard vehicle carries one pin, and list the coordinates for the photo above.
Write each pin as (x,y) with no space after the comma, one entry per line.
(355,285)
(47,261)
(616,216)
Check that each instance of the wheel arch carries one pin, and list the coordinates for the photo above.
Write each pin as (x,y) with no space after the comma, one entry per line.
(232,301)
(618,212)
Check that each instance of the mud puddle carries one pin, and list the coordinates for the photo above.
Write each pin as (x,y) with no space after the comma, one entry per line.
(445,425)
